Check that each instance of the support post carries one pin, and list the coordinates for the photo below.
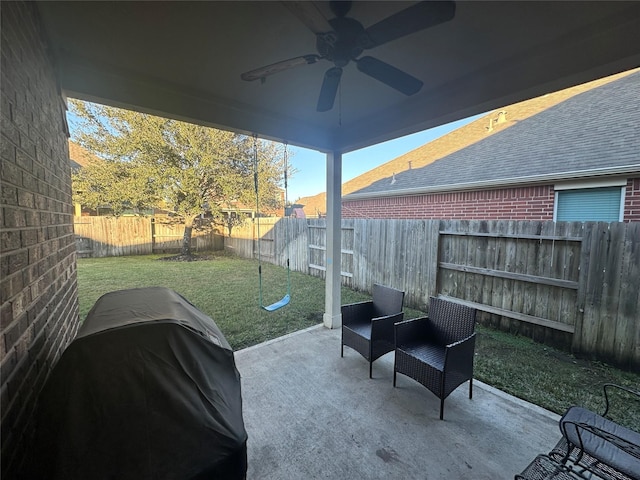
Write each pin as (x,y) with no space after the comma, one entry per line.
(332,317)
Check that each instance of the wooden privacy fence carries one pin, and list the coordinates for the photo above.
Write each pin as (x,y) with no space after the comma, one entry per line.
(563,283)
(280,238)
(525,274)
(112,237)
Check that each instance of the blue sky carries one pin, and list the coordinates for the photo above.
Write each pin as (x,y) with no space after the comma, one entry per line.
(310,178)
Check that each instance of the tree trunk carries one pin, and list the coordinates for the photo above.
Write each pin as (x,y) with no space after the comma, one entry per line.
(186,239)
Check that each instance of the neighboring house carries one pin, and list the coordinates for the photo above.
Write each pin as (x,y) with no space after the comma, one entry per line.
(295,211)
(79,157)
(238,209)
(573,155)
(298,213)
(315,206)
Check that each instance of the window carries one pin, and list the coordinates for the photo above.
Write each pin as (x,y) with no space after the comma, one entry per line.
(602,202)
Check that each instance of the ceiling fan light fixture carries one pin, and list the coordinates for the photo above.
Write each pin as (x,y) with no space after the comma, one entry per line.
(262,72)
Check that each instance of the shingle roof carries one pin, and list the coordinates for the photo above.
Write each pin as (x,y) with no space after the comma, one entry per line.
(589,133)
(456,140)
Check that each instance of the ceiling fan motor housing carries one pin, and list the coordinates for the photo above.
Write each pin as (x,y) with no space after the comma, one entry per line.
(344,43)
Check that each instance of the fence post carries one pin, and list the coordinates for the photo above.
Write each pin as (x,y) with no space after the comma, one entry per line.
(152,226)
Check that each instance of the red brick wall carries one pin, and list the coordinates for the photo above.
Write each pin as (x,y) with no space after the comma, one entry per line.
(523,203)
(632,201)
(38,289)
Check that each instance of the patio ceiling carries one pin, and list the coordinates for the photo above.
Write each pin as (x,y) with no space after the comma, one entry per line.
(184,60)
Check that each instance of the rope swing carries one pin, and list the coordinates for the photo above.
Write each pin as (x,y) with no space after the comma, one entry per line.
(284,300)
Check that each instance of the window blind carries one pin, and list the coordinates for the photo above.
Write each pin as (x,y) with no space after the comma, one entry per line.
(589,204)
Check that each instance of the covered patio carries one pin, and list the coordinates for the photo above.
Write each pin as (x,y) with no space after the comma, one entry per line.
(311,414)
(250,67)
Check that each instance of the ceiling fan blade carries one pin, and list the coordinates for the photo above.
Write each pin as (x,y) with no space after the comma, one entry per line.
(329,89)
(263,72)
(309,14)
(413,19)
(389,75)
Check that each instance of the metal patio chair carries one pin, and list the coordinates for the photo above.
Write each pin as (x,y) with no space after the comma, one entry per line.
(597,443)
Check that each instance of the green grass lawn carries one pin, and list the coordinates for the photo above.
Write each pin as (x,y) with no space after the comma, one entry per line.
(226,288)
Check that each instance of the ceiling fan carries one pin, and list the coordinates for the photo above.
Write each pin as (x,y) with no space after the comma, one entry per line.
(343,39)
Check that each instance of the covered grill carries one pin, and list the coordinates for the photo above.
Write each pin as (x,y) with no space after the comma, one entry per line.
(147,390)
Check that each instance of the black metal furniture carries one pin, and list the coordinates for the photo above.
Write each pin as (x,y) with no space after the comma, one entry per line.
(367,327)
(438,350)
(544,467)
(597,445)
(592,447)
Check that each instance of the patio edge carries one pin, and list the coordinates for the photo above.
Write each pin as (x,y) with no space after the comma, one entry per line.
(278,339)
(517,400)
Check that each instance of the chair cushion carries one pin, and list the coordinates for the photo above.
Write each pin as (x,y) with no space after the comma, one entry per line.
(598,447)
(428,353)
(363,329)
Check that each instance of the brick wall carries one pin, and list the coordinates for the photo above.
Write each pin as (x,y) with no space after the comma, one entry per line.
(39,307)
(524,203)
(632,201)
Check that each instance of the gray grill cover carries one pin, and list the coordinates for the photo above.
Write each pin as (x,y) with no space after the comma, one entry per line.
(147,390)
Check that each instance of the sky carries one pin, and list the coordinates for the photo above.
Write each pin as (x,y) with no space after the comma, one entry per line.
(310,178)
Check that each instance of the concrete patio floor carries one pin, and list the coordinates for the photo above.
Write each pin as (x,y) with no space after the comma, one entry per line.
(311,414)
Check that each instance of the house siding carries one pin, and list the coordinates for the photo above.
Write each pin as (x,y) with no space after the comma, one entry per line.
(517,203)
(38,288)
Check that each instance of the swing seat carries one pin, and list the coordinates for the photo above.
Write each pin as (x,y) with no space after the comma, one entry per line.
(279,304)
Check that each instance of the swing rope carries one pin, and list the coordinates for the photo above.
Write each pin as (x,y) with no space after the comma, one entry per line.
(284,300)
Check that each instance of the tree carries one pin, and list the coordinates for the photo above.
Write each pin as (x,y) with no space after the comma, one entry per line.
(233,219)
(188,169)
(120,185)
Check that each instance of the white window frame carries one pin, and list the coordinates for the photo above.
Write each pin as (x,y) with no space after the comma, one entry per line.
(587,184)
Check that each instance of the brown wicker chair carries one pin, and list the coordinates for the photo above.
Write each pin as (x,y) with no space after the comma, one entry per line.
(367,327)
(438,350)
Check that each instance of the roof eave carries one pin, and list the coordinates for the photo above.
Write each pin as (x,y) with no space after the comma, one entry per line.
(501,183)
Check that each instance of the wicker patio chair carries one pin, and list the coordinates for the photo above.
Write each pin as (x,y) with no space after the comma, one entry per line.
(437,351)
(367,327)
